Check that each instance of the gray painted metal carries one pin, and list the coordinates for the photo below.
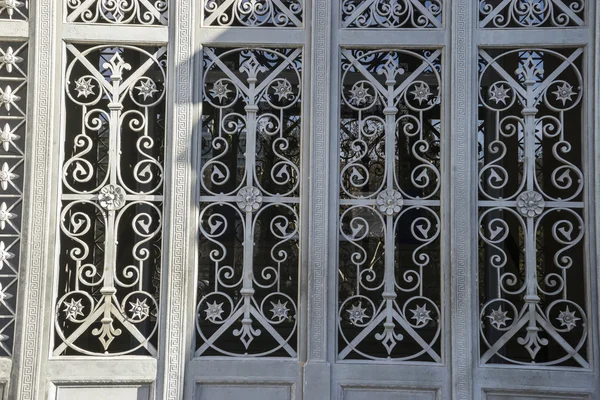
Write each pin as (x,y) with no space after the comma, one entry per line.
(316,372)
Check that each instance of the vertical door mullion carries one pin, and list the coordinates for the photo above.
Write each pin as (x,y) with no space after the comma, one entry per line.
(317,370)
(179,229)
(462,198)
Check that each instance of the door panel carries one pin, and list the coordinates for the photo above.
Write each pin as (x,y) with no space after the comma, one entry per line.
(520,396)
(253,392)
(386,393)
(535,285)
(100,393)
(389,160)
(251,185)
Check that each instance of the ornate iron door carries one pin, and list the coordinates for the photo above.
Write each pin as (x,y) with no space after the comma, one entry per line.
(299,199)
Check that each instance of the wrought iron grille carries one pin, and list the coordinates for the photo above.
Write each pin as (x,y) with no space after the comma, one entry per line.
(249,205)
(111,217)
(349,199)
(392,13)
(273,13)
(144,12)
(389,238)
(531,13)
(531,207)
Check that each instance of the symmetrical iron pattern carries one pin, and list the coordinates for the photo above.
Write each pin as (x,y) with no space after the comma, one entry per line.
(249,203)
(531,216)
(14,9)
(145,12)
(531,13)
(389,238)
(392,13)
(112,196)
(282,13)
(13,104)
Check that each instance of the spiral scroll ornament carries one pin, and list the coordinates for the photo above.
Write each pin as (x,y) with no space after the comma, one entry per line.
(392,13)
(140,12)
(531,13)
(272,13)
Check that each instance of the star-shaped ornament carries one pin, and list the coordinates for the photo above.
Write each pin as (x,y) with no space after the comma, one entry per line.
(10,6)
(9,59)
(6,136)
(499,318)
(8,97)
(5,215)
(3,295)
(6,176)
(73,309)
(563,93)
(567,318)
(84,87)
(4,254)
(421,315)
(139,309)
(360,94)
(357,313)
(283,90)
(499,94)
(279,310)
(220,91)
(147,88)
(213,311)
(421,93)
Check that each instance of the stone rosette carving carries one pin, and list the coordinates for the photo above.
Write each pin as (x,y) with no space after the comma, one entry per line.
(390,202)
(249,199)
(112,197)
(530,204)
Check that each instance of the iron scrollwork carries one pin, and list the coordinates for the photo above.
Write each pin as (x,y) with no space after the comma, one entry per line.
(249,203)
(531,220)
(142,12)
(275,13)
(531,13)
(392,13)
(389,225)
(111,201)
